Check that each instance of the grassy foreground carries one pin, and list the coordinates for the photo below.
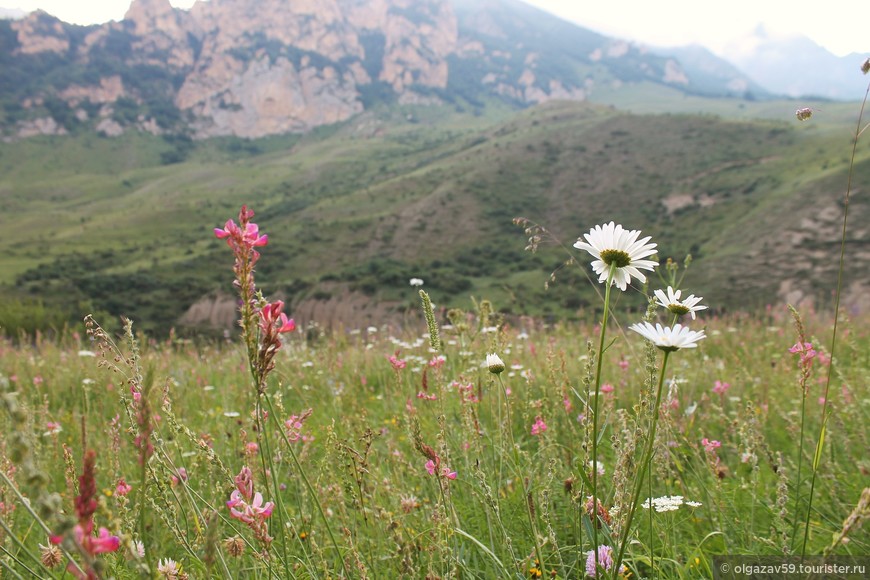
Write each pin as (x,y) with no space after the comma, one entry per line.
(349,426)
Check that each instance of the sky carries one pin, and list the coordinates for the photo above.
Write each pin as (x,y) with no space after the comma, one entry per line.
(841,26)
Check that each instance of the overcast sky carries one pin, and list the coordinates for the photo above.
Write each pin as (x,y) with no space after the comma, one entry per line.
(841,26)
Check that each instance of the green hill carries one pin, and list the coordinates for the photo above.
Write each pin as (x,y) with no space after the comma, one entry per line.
(356,209)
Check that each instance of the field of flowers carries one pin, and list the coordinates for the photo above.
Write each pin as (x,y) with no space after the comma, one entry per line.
(463,445)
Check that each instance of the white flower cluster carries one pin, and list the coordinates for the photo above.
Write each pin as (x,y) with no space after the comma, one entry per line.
(668,503)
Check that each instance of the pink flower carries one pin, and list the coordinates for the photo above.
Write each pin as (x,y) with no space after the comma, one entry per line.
(710,446)
(251,448)
(437,361)
(806,352)
(273,319)
(422,395)
(623,364)
(539,426)
(606,388)
(123,488)
(430,467)
(445,472)
(720,387)
(234,235)
(105,542)
(398,364)
(567,403)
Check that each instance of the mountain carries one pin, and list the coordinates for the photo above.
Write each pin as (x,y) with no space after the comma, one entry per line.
(797,67)
(251,68)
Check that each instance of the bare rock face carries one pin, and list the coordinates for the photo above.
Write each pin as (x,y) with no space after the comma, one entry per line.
(40,32)
(262,97)
(161,30)
(109,90)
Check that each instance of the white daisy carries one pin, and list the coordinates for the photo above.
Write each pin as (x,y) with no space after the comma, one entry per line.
(416,282)
(618,248)
(672,302)
(669,339)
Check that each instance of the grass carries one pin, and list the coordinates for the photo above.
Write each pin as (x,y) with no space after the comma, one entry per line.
(361,448)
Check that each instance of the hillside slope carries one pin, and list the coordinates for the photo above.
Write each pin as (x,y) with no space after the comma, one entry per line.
(355,210)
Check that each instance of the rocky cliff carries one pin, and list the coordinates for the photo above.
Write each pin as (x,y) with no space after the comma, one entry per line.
(258,67)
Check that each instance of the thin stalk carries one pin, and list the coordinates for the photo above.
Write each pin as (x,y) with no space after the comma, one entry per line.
(26,505)
(797,484)
(516,453)
(310,488)
(858,132)
(645,461)
(598,362)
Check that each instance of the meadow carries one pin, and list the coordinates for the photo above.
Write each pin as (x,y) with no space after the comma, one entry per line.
(463,445)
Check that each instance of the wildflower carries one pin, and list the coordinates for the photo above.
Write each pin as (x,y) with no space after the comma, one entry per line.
(236,237)
(409,503)
(52,428)
(234,546)
(137,549)
(247,506)
(606,388)
(87,353)
(416,282)
(50,555)
(668,503)
(294,424)
(605,561)
(430,467)
(603,514)
(669,339)
(398,364)
(623,364)
(672,302)
(123,488)
(539,426)
(806,352)
(171,569)
(803,113)
(710,446)
(273,319)
(494,364)
(618,250)
(719,387)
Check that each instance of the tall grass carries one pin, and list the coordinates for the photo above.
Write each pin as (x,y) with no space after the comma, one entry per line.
(481,448)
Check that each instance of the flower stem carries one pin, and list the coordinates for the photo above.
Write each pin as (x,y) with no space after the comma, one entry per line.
(645,462)
(858,132)
(598,362)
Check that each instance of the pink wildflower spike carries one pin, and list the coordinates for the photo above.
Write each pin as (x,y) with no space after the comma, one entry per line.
(105,542)
(259,509)
(123,488)
(245,483)
(719,387)
(710,446)
(430,467)
(539,426)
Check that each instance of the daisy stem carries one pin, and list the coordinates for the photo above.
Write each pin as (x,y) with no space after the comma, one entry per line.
(645,463)
(604,318)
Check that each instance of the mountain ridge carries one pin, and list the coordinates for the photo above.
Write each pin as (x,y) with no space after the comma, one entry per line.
(250,69)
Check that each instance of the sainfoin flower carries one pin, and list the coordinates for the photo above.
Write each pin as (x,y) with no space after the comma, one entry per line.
(678,306)
(667,338)
(616,248)
(247,506)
